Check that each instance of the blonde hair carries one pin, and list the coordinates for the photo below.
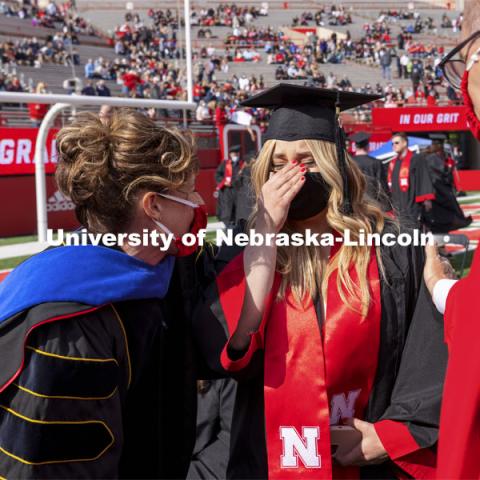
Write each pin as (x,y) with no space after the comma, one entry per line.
(40,88)
(105,162)
(299,266)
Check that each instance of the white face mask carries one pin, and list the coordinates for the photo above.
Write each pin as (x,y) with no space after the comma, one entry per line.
(199,223)
(234,158)
(175,199)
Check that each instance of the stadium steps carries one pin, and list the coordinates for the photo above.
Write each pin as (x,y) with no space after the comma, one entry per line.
(17,27)
(85,5)
(358,73)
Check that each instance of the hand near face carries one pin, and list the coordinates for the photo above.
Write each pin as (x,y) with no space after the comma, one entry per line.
(277,194)
(368,451)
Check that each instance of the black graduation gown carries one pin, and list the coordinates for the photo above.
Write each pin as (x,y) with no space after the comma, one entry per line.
(409,378)
(130,411)
(446,214)
(226,201)
(244,195)
(214,422)
(408,204)
(377,186)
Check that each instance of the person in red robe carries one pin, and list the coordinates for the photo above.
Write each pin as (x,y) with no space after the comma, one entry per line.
(409,181)
(338,349)
(460,419)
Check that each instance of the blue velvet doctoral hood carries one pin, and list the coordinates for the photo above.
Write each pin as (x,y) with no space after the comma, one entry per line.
(91,275)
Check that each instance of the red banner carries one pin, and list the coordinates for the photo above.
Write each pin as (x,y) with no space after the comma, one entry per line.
(420,119)
(17,206)
(17,151)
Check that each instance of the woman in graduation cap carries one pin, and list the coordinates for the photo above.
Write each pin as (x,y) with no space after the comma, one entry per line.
(97,379)
(336,348)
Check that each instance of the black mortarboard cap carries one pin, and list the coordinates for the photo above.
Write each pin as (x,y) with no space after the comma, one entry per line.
(438,137)
(310,113)
(234,148)
(360,138)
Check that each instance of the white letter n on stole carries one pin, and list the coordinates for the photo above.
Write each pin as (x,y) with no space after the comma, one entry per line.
(303,447)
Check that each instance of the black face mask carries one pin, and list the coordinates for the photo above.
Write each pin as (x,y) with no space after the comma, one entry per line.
(311,199)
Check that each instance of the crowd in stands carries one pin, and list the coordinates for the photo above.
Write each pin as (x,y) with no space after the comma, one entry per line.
(454,23)
(57,16)
(253,36)
(10,83)
(227,15)
(334,15)
(421,24)
(32,52)
(147,53)
(161,18)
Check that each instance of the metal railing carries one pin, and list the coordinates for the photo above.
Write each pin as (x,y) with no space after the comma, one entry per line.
(60,103)
(18,116)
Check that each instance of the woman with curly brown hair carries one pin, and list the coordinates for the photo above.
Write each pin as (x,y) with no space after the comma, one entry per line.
(97,378)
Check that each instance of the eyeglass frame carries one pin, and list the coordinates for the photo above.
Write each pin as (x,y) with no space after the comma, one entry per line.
(458,48)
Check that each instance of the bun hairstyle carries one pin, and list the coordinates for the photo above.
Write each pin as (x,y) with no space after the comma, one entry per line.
(104,163)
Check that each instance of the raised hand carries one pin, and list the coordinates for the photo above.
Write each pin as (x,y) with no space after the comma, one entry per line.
(277,194)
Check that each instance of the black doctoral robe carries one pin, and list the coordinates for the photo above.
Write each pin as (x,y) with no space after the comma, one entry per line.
(244,194)
(214,422)
(408,383)
(120,375)
(226,201)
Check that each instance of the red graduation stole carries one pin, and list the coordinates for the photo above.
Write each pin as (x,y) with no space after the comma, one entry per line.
(311,379)
(404,174)
(450,164)
(228,174)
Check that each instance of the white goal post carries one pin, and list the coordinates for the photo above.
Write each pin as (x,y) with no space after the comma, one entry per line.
(61,102)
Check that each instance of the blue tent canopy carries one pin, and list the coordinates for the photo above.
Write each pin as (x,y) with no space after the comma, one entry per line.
(386,150)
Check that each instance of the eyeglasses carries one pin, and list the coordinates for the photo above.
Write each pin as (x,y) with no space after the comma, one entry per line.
(454,68)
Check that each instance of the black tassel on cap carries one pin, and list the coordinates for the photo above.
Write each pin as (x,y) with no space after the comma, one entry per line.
(342,161)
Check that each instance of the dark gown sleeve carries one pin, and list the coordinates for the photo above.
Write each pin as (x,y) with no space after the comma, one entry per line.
(217,314)
(409,426)
(215,410)
(383,196)
(220,172)
(423,188)
(215,321)
(62,417)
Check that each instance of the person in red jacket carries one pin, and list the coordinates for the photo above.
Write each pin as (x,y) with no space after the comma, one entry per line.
(130,81)
(37,111)
(459,443)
